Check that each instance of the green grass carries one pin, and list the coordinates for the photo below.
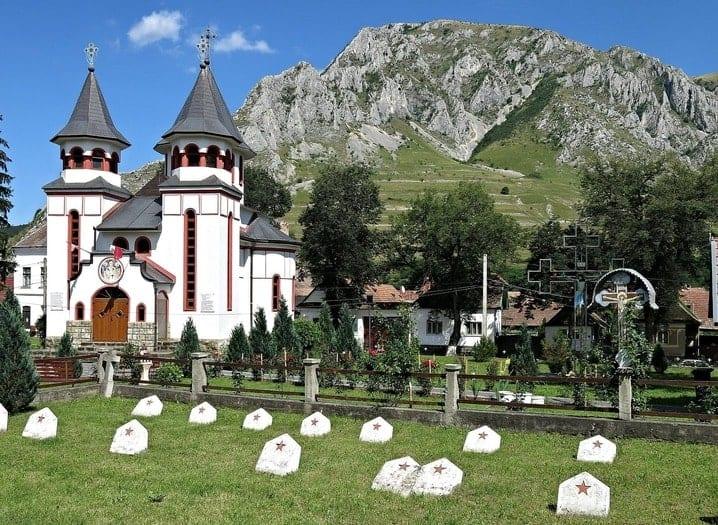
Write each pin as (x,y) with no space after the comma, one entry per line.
(206,474)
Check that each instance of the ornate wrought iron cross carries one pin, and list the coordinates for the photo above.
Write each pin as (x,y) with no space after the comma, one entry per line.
(91,52)
(204,46)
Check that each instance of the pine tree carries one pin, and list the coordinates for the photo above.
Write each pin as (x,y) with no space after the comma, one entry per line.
(345,340)
(659,359)
(523,362)
(187,345)
(18,377)
(285,338)
(327,336)
(238,347)
(7,267)
(260,340)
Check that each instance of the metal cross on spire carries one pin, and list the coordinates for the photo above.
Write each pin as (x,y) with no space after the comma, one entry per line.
(91,52)
(204,46)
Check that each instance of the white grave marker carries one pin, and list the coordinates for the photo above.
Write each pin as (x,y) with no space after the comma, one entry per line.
(316,425)
(483,439)
(203,414)
(257,420)
(41,425)
(378,430)
(585,495)
(148,407)
(280,456)
(3,418)
(131,438)
(596,449)
(397,475)
(438,478)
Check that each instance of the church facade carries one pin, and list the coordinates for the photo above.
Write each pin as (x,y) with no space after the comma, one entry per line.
(134,267)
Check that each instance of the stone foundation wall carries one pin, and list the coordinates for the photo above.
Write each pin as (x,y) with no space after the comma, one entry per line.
(142,335)
(80,331)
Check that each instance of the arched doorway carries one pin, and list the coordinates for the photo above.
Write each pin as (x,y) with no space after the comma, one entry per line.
(161,305)
(110,313)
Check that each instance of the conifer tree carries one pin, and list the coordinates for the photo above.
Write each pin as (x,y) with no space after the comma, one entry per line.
(285,338)
(7,267)
(345,340)
(327,336)
(523,362)
(260,340)
(238,347)
(187,345)
(18,377)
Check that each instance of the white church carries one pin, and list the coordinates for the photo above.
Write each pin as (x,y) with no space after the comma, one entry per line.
(134,267)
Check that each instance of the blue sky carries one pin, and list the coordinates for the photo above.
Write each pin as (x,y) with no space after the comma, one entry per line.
(147,61)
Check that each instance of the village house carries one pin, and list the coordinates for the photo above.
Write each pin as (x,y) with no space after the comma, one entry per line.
(124,267)
(29,278)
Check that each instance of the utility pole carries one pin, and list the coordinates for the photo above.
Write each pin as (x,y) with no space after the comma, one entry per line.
(44,287)
(485,320)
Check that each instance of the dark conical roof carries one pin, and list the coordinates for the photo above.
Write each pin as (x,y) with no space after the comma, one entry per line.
(205,112)
(91,118)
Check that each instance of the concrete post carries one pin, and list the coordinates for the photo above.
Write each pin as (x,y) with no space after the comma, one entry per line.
(311,381)
(100,367)
(625,394)
(108,378)
(199,374)
(451,399)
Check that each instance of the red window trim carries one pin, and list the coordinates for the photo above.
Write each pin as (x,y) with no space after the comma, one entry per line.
(141,318)
(73,238)
(149,244)
(79,306)
(276,292)
(190,260)
(230,276)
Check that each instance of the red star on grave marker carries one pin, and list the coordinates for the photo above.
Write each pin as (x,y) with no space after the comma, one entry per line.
(377,426)
(40,419)
(583,488)
(201,410)
(439,469)
(483,435)
(281,445)
(314,422)
(256,417)
(128,431)
(404,466)
(597,444)
(149,401)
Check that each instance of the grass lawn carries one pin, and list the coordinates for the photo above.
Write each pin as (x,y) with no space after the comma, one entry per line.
(206,474)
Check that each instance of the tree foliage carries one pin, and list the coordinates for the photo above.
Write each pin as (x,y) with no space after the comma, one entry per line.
(308,335)
(285,338)
(7,267)
(339,246)
(265,193)
(523,362)
(260,340)
(18,377)
(345,340)
(443,238)
(659,359)
(187,345)
(238,346)
(327,334)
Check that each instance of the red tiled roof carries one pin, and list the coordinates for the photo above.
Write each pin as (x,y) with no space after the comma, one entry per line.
(387,293)
(528,311)
(698,301)
(34,238)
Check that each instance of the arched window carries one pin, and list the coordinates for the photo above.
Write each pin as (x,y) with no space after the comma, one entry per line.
(73,243)
(142,245)
(65,160)
(212,154)
(141,313)
(175,162)
(121,242)
(191,151)
(79,312)
(114,163)
(230,275)
(98,159)
(190,260)
(77,157)
(241,169)
(229,160)
(276,292)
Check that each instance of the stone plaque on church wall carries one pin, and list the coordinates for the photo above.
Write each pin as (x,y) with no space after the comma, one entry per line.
(57,301)
(207,304)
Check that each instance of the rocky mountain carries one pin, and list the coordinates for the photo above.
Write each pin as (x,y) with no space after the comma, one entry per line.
(473,92)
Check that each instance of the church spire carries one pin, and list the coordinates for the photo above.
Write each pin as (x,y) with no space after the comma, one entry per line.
(90,118)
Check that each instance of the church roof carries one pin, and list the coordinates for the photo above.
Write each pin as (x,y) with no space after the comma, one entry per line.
(205,112)
(91,118)
(141,212)
(260,229)
(95,185)
(212,181)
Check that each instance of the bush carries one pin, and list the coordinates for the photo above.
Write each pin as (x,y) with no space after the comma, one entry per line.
(557,353)
(484,350)
(66,349)
(659,359)
(308,335)
(168,373)
(505,190)
(492,369)
(130,355)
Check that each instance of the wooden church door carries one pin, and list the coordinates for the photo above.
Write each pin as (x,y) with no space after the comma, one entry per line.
(110,314)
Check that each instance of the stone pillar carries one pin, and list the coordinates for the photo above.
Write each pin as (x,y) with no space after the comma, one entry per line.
(451,395)
(625,394)
(100,366)
(311,381)
(108,378)
(199,374)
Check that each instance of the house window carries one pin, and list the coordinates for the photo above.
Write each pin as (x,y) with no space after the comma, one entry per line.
(190,260)
(230,239)
(26,277)
(276,292)
(140,313)
(73,246)
(79,312)
(192,153)
(26,316)
(668,336)
(473,327)
(98,159)
(142,245)
(434,327)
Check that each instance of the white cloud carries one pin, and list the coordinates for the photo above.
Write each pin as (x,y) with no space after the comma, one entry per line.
(159,25)
(236,41)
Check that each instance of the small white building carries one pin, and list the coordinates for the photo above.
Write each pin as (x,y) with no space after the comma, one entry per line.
(124,267)
(29,279)
(433,327)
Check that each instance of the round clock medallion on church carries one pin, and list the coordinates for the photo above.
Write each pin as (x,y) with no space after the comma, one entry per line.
(110,270)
